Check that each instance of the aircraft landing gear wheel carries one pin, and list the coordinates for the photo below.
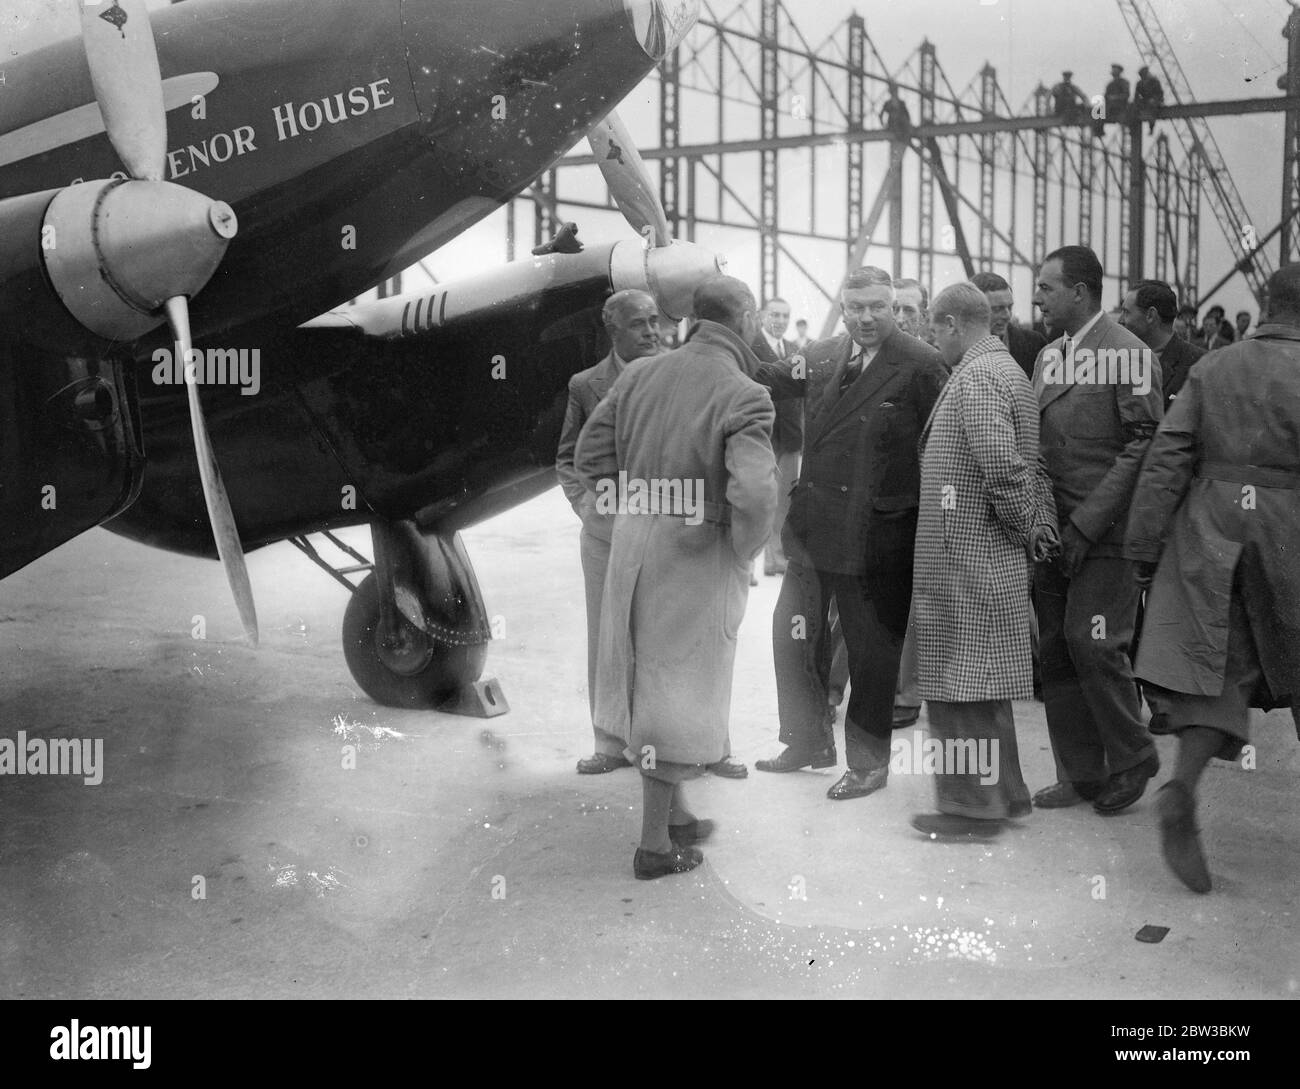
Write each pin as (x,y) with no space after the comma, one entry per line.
(418,672)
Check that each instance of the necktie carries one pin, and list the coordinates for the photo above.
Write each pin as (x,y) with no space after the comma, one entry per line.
(780,349)
(851,373)
(1067,346)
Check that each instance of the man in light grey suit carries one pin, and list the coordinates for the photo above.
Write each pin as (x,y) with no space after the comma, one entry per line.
(1100,401)
(632,320)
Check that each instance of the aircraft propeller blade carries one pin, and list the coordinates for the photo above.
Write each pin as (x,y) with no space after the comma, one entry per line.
(128,84)
(628,180)
(229,546)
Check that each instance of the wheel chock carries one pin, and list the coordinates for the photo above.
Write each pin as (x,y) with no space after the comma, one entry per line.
(482,699)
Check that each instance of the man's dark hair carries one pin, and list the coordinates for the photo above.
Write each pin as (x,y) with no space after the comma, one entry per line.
(1246,312)
(989,281)
(775,299)
(1187,308)
(1158,295)
(723,299)
(1215,309)
(905,282)
(1079,265)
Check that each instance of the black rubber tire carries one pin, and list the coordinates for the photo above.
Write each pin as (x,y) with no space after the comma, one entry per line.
(450,668)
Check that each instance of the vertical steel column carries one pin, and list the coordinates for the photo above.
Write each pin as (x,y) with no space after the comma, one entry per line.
(1193,274)
(1138,201)
(1085,188)
(1042,105)
(988,164)
(768,174)
(510,230)
(721,103)
(670,136)
(856,150)
(1125,204)
(1106,167)
(692,171)
(1290,83)
(1064,162)
(1164,215)
(925,195)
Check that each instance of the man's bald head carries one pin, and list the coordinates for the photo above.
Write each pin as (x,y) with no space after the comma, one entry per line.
(632,320)
(729,302)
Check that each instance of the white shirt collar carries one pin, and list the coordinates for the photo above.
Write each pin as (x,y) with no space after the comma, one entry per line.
(1083,331)
(772,342)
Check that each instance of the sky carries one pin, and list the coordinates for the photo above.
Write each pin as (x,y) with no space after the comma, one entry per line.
(1228,48)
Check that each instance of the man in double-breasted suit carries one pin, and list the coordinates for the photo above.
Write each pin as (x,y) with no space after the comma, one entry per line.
(1099,396)
(849,533)
(1149,310)
(771,346)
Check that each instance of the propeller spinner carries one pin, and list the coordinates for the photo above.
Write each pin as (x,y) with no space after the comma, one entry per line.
(152,244)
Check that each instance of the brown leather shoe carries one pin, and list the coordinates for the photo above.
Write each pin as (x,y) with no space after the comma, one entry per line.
(647,865)
(792,760)
(600,763)
(729,768)
(858,783)
(1180,840)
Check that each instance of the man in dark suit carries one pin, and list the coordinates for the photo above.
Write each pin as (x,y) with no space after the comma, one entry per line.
(1100,402)
(1149,310)
(849,534)
(1023,344)
(632,321)
(787,433)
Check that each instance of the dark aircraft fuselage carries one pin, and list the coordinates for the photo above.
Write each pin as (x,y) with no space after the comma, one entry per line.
(350,138)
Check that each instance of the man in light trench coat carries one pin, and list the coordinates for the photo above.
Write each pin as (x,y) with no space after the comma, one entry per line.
(685,442)
(986,509)
(1213,528)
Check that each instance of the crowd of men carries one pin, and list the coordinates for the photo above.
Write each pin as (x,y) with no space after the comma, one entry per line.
(945,495)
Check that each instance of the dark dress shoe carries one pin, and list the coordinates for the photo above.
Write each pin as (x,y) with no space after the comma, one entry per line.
(953,826)
(753,579)
(1061,795)
(648,865)
(1126,787)
(684,835)
(1180,840)
(600,763)
(905,716)
(729,769)
(793,760)
(859,783)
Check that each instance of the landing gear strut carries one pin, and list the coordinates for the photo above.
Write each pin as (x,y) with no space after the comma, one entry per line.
(416,631)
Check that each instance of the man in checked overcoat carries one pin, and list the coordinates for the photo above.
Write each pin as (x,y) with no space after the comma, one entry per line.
(986,509)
